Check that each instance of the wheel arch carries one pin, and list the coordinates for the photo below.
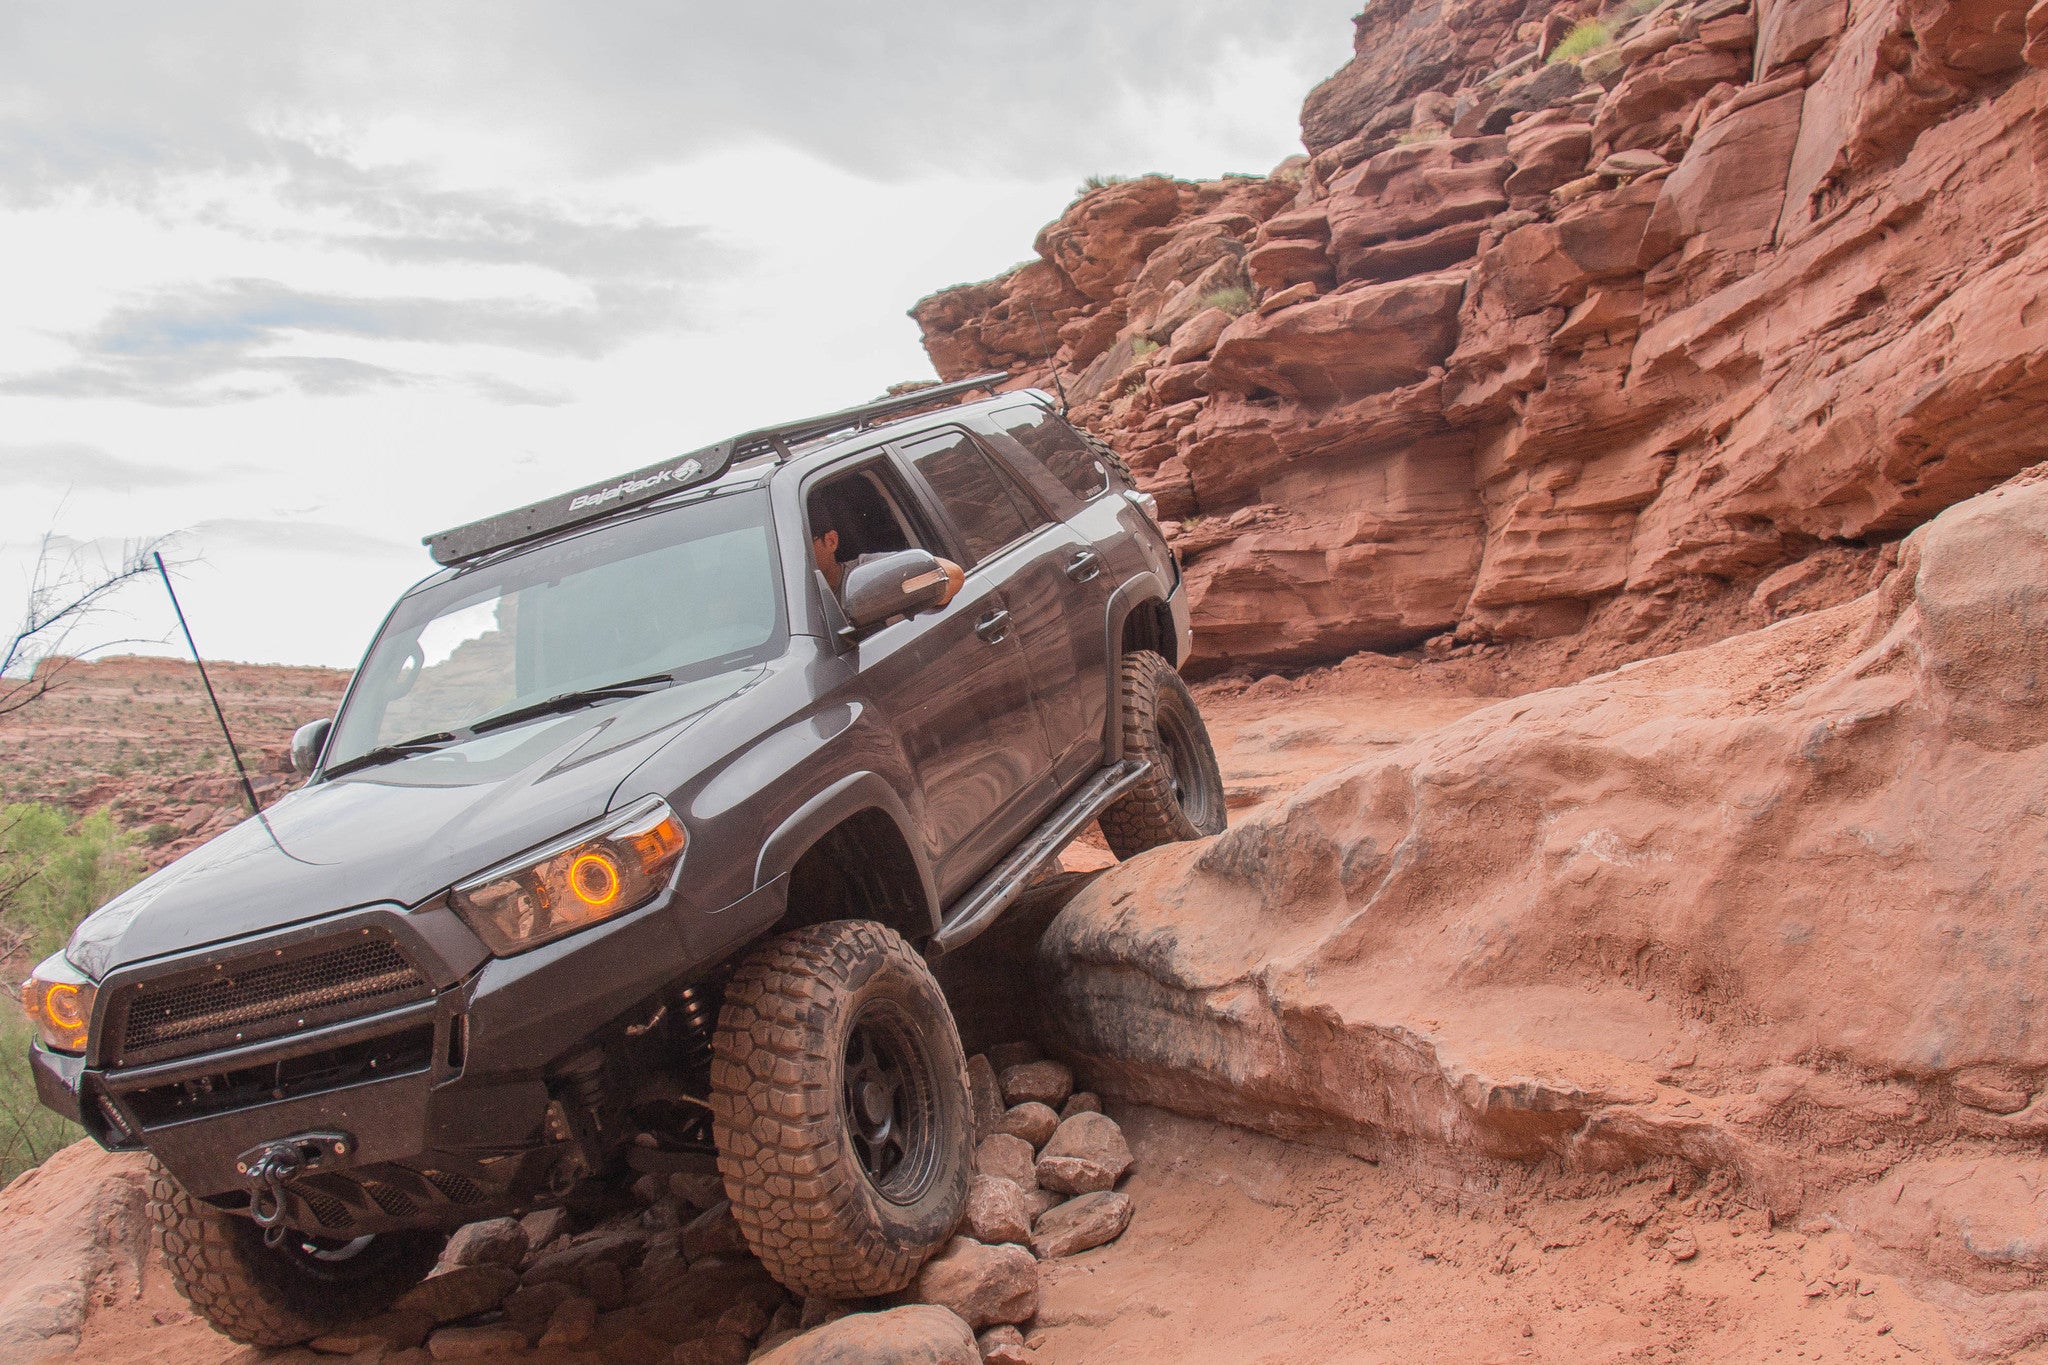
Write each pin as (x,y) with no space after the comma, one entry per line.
(860,813)
(1139,617)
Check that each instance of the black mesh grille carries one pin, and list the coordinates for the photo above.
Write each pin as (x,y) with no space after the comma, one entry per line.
(456,1189)
(263,996)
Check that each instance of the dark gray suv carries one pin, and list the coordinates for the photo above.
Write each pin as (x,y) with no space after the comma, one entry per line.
(626,852)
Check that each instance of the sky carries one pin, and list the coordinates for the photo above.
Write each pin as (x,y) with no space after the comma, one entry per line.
(297,284)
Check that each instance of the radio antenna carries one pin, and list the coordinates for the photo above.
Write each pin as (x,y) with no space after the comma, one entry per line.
(1057,387)
(248,788)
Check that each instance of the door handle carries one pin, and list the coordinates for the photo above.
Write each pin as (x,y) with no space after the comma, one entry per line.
(1084,566)
(993,627)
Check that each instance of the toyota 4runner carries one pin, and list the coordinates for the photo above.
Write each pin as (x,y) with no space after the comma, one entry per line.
(626,851)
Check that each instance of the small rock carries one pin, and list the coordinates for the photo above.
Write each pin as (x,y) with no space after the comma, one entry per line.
(459,1293)
(819,1310)
(1081,1224)
(1008,1156)
(472,1343)
(1004,1345)
(401,1329)
(348,1343)
(533,1307)
(985,1094)
(495,1241)
(1681,1245)
(624,1248)
(1041,1200)
(700,1192)
(787,1317)
(1989,1095)
(543,1226)
(747,1318)
(1081,1102)
(1573,190)
(714,1233)
(983,1285)
(651,1189)
(1003,1056)
(571,1324)
(998,1210)
(1031,1121)
(767,1345)
(920,1334)
(1088,1153)
(1629,164)
(718,1348)
(604,1282)
(1048,1083)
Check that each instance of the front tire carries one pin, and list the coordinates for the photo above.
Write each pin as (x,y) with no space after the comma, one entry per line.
(1181,797)
(839,1104)
(282,1295)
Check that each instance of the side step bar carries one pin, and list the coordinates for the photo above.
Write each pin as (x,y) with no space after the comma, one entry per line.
(992,895)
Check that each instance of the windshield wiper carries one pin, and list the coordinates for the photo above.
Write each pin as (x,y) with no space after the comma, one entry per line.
(388,753)
(569,701)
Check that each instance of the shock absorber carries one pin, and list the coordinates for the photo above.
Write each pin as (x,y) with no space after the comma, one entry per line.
(696,1020)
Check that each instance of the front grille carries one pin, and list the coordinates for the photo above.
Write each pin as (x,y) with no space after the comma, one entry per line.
(262,995)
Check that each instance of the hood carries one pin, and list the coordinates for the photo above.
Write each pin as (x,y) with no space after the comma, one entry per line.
(397,833)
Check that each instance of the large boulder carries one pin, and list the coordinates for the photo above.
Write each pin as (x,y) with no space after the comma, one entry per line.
(69,1221)
(1345,345)
(982,1284)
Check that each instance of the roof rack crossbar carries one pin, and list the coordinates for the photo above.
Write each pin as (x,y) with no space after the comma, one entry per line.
(601,500)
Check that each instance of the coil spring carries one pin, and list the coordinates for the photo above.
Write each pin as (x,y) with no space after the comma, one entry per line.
(696,1021)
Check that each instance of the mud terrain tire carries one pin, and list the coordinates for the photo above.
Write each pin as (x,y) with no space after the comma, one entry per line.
(1182,796)
(264,1296)
(839,1104)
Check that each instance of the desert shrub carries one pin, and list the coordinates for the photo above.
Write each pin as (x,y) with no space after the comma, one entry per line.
(1142,347)
(29,1133)
(1235,300)
(1100,182)
(54,871)
(1587,36)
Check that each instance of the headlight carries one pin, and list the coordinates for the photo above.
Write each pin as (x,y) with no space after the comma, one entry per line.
(582,879)
(58,998)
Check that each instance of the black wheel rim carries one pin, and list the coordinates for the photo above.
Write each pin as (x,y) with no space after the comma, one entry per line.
(891,1103)
(1186,778)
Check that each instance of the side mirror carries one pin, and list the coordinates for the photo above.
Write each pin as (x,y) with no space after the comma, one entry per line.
(307,742)
(900,584)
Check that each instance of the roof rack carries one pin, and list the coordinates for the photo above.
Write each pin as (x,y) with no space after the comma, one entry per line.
(601,500)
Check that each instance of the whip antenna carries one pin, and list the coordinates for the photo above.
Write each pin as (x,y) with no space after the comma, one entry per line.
(248,788)
(1057,387)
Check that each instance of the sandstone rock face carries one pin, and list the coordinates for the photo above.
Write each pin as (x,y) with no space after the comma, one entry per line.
(1759,907)
(71,1220)
(920,1334)
(1572,347)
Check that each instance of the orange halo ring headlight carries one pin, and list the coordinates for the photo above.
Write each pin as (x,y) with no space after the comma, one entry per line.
(58,1000)
(579,880)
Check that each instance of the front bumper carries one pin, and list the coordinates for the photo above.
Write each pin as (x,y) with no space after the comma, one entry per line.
(448,1099)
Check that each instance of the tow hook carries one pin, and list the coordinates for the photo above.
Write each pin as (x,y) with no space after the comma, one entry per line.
(273,1165)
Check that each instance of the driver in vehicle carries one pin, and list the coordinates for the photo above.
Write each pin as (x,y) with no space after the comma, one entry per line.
(825,550)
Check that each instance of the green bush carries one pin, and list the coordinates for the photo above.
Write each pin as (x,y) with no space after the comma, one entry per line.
(29,1133)
(1587,36)
(1100,182)
(1142,347)
(1235,300)
(55,871)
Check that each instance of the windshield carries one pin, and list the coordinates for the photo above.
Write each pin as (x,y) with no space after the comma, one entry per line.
(686,593)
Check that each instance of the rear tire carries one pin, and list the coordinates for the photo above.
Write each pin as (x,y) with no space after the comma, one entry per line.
(1181,796)
(282,1295)
(839,1104)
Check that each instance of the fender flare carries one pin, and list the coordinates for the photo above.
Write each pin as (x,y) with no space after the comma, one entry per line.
(1137,590)
(811,821)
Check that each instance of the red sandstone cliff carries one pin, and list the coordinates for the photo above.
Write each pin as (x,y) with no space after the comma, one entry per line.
(1526,347)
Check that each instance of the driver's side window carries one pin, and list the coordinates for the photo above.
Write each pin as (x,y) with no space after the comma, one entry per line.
(864,512)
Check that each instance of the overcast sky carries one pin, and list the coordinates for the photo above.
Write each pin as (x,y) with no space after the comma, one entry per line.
(302,283)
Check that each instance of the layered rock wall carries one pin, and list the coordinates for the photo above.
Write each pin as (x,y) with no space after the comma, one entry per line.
(1524,343)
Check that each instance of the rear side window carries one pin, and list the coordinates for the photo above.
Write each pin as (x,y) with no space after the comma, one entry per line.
(1058,447)
(989,510)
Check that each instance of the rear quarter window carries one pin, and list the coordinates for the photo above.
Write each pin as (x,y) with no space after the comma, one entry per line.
(1057,446)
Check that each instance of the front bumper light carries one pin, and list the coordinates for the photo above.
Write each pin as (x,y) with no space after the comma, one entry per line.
(58,998)
(579,880)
